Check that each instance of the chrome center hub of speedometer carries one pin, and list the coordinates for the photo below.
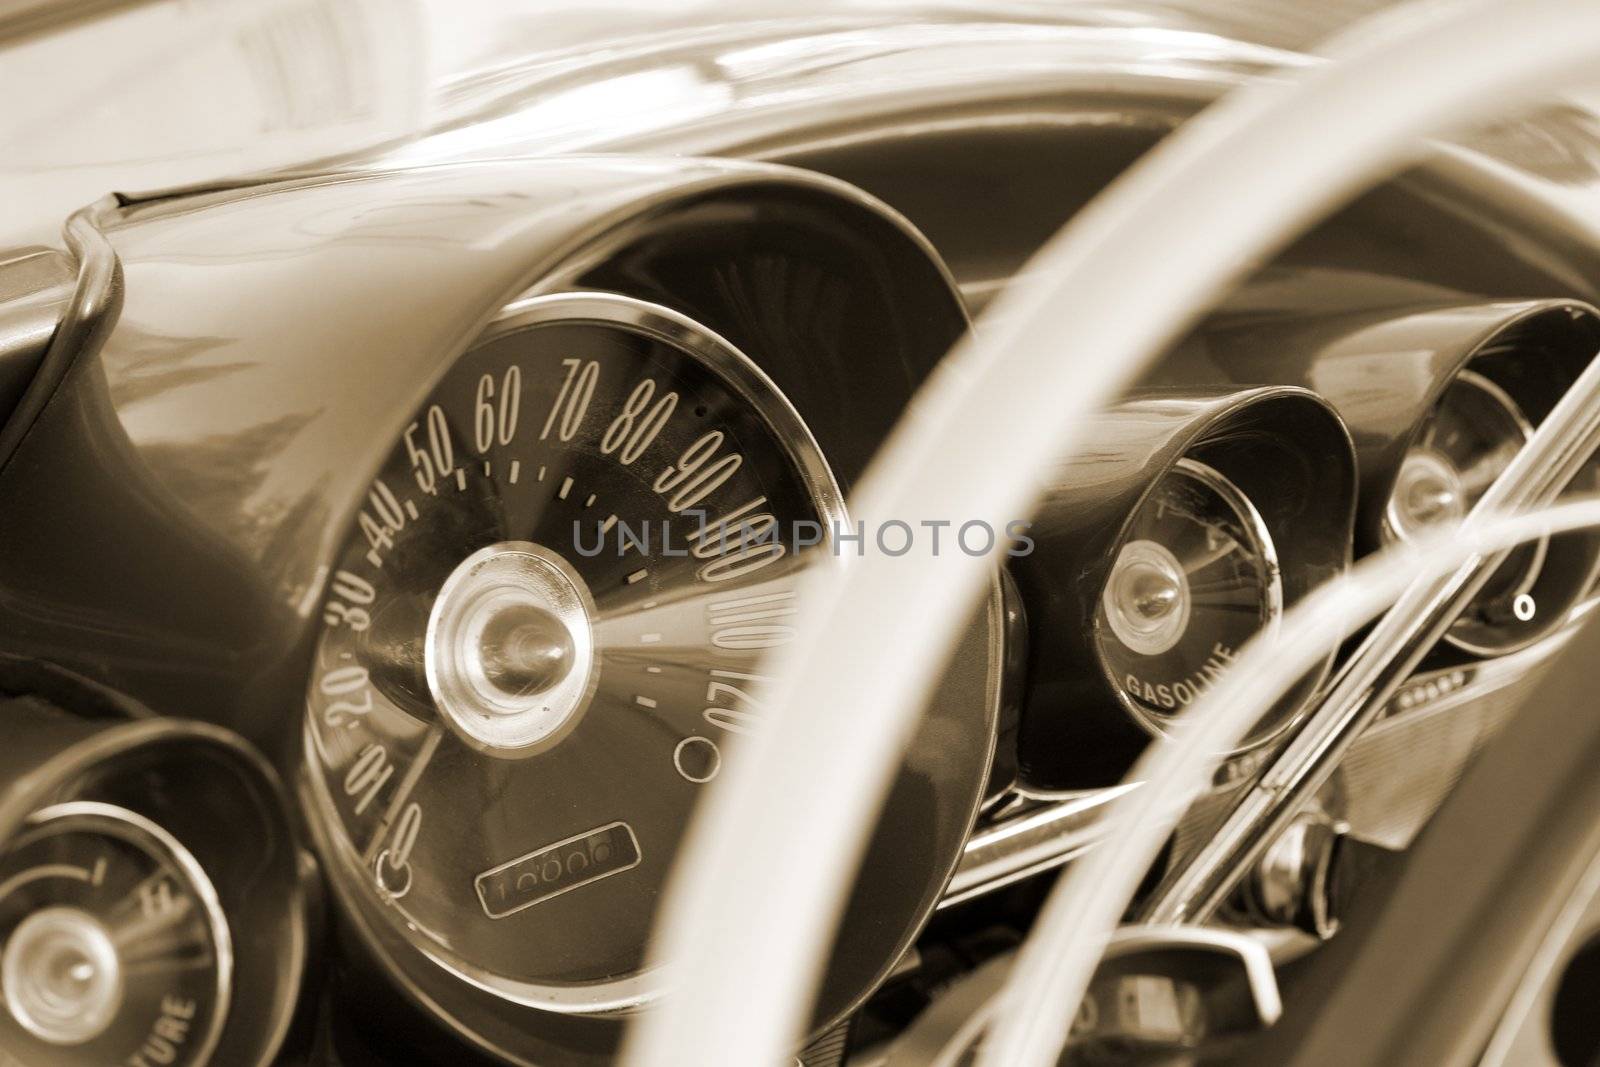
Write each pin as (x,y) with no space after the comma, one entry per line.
(510,654)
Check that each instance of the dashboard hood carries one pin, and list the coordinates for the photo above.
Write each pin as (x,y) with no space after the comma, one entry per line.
(100,96)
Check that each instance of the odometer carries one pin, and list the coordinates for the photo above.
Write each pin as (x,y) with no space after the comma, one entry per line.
(543,638)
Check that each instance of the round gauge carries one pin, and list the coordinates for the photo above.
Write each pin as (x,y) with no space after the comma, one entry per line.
(1196,577)
(543,639)
(1474,433)
(115,948)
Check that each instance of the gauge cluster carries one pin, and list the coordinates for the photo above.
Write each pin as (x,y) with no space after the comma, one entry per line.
(1478,378)
(1196,578)
(1476,426)
(81,877)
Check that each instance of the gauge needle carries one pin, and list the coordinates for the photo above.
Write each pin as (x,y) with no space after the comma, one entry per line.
(1214,551)
(402,793)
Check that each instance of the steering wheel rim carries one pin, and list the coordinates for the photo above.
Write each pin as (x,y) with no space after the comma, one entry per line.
(1420,68)
(1426,961)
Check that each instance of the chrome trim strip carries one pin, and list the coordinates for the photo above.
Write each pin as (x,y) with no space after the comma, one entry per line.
(1035,841)
(1567,438)
(1482,679)
(36,285)
(96,301)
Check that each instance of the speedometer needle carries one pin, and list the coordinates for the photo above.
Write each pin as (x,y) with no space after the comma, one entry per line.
(402,793)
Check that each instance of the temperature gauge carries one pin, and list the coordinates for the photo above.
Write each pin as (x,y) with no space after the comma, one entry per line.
(115,946)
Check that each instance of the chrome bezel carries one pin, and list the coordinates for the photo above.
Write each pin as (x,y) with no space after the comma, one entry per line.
(725,360)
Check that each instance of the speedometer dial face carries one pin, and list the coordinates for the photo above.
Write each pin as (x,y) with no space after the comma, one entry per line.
(1195,578)
(543,638)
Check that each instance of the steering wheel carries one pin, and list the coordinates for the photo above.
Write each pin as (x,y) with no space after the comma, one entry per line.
(1525,820)
(750,913)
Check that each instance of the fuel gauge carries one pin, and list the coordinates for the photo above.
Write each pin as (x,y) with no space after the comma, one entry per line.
(1190,527)
(1195,578)
(115,947)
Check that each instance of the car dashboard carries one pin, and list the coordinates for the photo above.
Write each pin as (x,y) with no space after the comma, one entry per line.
(391,545)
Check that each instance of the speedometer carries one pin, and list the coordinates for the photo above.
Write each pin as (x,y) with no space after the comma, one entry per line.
(542,639)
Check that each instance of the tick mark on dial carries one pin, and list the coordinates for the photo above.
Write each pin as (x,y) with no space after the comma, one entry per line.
(638,575)
(461,478)
(566,487)
(644,702)
(516,471)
